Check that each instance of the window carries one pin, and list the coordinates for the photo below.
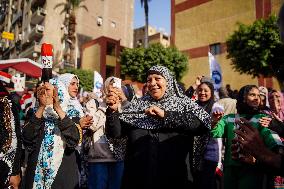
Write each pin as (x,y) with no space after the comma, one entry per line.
(110,49)
(215,48)
(113,24)
(110,71)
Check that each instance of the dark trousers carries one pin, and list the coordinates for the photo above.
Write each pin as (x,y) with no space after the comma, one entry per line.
(105,175)
(206,178)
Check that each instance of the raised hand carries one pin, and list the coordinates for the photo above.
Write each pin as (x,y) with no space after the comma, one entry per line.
(265,121)
(86,121)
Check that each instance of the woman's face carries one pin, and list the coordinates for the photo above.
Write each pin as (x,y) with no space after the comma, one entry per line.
(253,98)
(156,85)
(275,101)
(73,87)
(262,101)
(204,93)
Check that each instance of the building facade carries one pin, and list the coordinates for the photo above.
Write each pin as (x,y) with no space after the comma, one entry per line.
(154,37)
(199,26)
(34,22)
(102,55)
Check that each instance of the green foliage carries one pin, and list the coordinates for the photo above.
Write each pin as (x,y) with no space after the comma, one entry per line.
(136,62)
(86,77)
(257,49)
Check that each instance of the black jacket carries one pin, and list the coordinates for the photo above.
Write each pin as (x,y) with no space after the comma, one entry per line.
(33,134)
(154,158)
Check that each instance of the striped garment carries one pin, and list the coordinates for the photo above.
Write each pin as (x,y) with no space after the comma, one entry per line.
(225,129)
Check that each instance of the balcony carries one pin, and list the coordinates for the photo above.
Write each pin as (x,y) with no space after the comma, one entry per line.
(36,33)
(38,16)
(28,52)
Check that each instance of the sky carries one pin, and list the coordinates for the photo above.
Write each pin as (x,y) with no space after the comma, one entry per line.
(159,15)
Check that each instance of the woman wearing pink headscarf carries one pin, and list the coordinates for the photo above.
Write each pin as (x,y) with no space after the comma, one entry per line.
(276,102)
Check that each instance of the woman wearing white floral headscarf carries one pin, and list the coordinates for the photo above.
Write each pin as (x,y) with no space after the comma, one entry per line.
(52,135)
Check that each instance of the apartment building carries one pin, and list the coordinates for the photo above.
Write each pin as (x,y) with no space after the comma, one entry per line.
(199,26)
(155,36)
(34,22)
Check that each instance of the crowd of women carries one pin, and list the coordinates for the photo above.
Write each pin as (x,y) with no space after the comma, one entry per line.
(162,140)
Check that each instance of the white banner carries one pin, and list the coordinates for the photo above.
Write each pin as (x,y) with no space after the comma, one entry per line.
(19,83)
(215,71)
(98,84)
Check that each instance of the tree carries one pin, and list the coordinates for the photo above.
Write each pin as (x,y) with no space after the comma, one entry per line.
(70,7)
(136,62)
(86,77)
(257,49)
(146,11)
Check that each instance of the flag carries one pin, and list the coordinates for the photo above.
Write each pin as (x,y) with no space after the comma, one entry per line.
(215,71)
(98,84)
(19,83)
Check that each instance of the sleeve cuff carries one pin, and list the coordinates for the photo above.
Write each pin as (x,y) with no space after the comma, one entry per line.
(65,123)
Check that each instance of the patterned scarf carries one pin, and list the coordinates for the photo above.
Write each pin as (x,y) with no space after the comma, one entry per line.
(173,100)
(74,108)
(52,147)
(8,149)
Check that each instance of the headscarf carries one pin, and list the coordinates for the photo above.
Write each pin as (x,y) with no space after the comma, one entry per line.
(173,100)
(8,138)
(200,142)
(264,92)
(280,112)
(242,106)
(53,147)
(74,107)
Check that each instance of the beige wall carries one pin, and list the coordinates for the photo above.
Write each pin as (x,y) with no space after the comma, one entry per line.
(118,11)
(179,1)
(211,22)
(214,22)
(154,37)
(91,58)
(275,6)
(110,60)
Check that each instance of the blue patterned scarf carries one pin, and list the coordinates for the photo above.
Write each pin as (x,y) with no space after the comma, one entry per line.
(52,147)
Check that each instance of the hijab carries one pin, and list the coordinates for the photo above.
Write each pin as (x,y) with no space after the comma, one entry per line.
(74,108)
(8,137)
(173,100)
(280,112)
(200,142)
(52,147)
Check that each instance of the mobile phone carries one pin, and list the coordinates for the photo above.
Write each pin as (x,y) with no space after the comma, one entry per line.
(117,82)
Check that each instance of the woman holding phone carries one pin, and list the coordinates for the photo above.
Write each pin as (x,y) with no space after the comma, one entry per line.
(157,126)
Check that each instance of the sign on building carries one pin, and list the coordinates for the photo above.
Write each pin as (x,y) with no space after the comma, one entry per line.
(7,35)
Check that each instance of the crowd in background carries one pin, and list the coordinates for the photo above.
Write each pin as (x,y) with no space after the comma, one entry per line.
(168,138)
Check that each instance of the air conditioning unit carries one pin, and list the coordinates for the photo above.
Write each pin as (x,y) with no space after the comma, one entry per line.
(13,7)
(20,37)
(67,16)
(99,21)
(40,28)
